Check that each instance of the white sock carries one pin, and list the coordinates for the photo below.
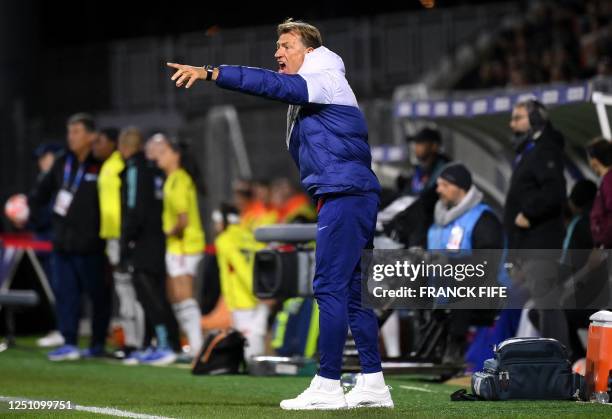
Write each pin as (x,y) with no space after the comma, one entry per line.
(374,379)
(188,315)
(328,384)
(131,313)
(390,332)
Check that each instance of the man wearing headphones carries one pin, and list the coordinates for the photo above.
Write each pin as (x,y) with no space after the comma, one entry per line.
(533,214)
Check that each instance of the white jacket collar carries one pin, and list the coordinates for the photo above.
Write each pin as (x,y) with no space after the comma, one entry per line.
(321,59)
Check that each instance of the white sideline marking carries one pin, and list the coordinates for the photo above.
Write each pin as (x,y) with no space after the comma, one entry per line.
(424,390)
(92,409)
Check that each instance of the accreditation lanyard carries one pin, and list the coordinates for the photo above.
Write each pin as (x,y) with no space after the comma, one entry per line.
(77,178)
(66,194)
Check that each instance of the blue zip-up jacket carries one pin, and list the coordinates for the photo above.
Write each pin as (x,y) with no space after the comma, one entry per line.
(327,134)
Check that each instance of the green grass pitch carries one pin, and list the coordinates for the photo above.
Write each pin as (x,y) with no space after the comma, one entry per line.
(174,392)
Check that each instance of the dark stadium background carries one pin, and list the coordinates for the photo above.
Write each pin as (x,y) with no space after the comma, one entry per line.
(54,60)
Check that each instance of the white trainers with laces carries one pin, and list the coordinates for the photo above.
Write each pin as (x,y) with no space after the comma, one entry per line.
(366,395)
(320,395)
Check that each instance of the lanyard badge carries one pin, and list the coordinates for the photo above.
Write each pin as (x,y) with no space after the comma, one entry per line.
(66,194)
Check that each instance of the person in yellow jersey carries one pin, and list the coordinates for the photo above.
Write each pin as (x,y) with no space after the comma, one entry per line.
(235,246)
(184,237)
(131,314)
(109,185)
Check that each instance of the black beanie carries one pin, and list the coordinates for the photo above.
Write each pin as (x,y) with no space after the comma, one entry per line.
(458,175)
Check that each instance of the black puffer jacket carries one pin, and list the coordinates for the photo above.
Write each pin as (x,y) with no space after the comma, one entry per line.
(537,189)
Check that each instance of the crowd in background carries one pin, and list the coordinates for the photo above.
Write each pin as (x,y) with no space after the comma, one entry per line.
(555,42)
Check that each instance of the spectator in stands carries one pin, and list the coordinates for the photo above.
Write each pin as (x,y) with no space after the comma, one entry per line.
(553,42)
(463,222)
(600,159)
(78,252)
(533,213)
(236,246)
(184,237)
(143,243)
(292,206)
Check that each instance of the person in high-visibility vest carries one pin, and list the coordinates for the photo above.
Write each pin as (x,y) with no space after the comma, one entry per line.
(253,201)
(291,205)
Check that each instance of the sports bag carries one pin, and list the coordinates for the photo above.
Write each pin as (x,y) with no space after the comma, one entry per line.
(525,368)
(221,353)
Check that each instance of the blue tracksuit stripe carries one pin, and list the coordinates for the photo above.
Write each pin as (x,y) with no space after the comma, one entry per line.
(288,88)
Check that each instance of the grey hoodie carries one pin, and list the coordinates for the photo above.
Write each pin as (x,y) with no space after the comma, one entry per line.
(444,215)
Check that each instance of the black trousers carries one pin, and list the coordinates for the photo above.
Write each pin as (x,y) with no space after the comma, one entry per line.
(150,291)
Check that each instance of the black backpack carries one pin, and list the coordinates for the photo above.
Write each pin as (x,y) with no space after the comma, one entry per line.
(221,353)
(525,368)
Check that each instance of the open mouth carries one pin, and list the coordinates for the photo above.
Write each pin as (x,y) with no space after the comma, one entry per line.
(282,67)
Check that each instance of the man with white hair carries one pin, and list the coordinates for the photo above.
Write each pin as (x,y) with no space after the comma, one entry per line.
(328,139)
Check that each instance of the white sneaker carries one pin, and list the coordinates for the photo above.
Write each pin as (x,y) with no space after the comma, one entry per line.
(315,397)
(53,338)
(363,395)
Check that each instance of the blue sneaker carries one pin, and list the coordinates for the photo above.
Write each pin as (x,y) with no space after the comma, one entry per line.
(94,352)
(64,353)
(159,357)
(136,357)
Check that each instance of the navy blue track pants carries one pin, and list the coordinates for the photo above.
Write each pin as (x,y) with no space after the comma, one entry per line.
(346,226)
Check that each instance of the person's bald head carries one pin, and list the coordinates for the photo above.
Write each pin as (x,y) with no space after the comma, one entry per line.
(130,142)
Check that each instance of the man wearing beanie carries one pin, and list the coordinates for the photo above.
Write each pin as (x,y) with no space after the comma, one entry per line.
(462,222)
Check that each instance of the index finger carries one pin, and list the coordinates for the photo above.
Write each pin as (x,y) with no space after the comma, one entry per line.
(174,65)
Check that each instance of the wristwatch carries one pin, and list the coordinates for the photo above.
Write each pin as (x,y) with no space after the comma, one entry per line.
(209,72)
